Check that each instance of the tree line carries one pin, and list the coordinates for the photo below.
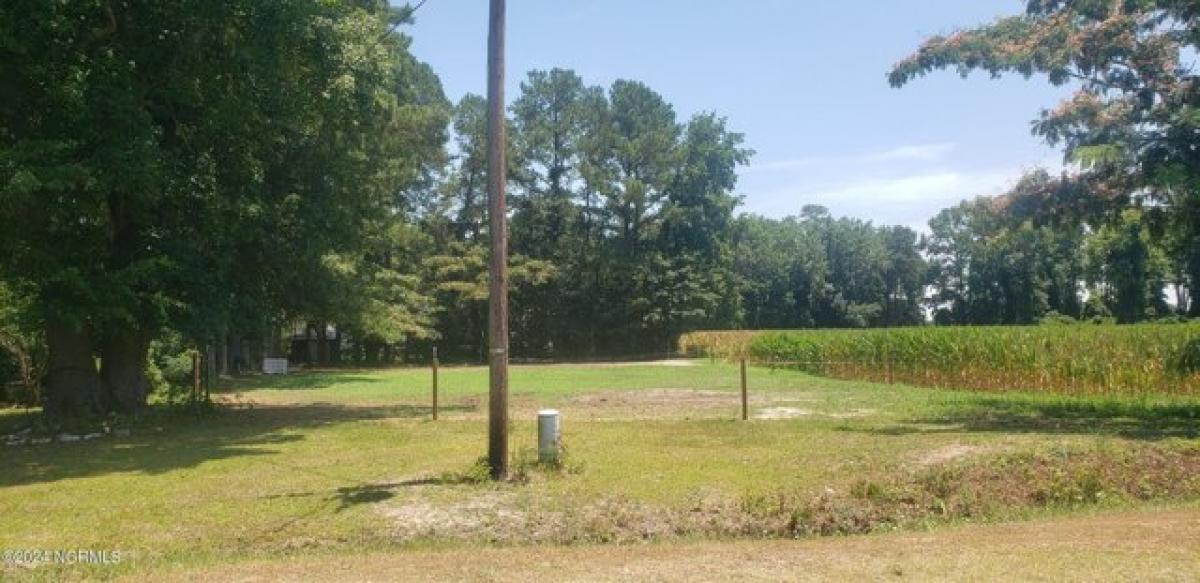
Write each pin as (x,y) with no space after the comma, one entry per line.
(184,176)
(625,233)
(990,265)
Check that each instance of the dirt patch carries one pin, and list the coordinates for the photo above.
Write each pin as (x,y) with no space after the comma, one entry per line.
(488,515)
(772,413)
(675,362)
(651,403)
(851,414)
(778,413)
(678,403)
(948,453)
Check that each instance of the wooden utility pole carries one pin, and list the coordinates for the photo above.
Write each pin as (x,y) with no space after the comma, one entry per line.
(498,223)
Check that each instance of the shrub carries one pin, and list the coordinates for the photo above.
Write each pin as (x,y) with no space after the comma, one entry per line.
(169,370)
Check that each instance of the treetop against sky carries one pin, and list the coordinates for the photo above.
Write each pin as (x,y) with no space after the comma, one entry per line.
(805,82)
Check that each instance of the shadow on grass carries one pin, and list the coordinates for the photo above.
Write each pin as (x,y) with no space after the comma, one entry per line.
(15,418)
(350,496)
(166,441)
(301,381)
(1128,419)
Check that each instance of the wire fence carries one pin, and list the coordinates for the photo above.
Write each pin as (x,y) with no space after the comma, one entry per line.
(744,374)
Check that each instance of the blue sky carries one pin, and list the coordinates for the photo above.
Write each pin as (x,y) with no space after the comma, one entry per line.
(805,81)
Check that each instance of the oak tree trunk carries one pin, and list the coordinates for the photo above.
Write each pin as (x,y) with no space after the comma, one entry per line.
(73,386)
(123,369)
(371,350)
(322,344)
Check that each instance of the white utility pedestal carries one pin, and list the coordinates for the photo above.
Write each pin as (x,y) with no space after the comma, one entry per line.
(549,435)
(275,366)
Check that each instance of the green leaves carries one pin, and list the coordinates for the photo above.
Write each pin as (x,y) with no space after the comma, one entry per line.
(1098,156)
(1130,126)
(212,168)
(826,272)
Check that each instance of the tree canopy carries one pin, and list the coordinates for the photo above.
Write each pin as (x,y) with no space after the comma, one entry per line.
(1132,123)
(185,165)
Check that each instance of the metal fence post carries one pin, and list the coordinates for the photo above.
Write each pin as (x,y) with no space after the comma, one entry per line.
(435,384)
(196,375)
(745,396)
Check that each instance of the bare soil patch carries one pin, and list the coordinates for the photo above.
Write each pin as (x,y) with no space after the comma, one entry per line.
(771,413)
(661,403)
(489,514)
(778,413)
(949,453)
(673,362)
(675,399)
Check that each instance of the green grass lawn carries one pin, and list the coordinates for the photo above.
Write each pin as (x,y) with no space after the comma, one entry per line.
(342,461)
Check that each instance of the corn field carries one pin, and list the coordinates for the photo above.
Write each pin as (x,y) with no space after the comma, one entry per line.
(1119,360)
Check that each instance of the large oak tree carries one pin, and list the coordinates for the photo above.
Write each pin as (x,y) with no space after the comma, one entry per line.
(182,163)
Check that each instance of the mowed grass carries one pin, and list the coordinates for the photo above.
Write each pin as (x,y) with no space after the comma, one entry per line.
(345,461)
(547,383)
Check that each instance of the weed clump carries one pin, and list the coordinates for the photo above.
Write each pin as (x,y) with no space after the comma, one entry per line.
(995,487)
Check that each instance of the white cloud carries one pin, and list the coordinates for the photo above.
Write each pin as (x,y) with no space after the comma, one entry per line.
(924,153)
(909,153)
(905,185)
(913,189)
(904,200)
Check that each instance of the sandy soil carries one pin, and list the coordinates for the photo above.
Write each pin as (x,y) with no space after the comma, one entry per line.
(949,453)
